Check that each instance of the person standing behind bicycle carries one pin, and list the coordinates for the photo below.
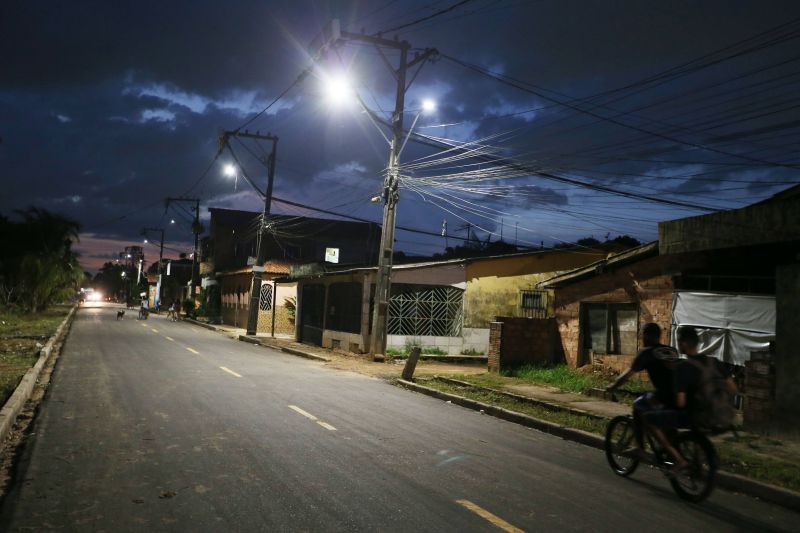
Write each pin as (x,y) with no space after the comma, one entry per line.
(660,362)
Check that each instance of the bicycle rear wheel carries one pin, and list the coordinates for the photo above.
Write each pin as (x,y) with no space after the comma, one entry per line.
(620,446)
(697,482)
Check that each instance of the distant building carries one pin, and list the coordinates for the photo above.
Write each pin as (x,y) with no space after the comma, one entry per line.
(229,251)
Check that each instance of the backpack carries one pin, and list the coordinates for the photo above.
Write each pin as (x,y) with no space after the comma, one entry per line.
(713,402)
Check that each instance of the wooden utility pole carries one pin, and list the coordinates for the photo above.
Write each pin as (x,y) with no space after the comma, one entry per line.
(261,246)
(197,229)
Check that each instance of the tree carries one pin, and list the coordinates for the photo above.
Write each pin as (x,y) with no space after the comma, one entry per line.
(38,266)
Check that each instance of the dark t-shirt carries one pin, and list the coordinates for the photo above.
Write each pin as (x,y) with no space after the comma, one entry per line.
(656,360)
(688,377)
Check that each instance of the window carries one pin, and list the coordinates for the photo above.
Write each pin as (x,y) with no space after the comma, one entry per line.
(265,301)
(533,303)
(610,328)
(425,310)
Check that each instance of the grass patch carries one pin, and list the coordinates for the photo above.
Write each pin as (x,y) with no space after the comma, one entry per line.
(472,351)
(433,350)
(18,354)
(572,420)
(755,463)
(43,323)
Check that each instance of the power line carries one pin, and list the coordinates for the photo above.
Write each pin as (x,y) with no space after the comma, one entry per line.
(428,17)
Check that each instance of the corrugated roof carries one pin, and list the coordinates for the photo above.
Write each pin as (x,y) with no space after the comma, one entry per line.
(596,268)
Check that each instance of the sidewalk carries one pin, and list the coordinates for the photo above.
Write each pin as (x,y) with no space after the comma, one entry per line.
(341,360)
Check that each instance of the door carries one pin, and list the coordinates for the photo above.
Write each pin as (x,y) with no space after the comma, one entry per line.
(312,302)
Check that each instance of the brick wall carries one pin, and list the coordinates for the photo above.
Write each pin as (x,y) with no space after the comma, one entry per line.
(647,283)
(522,341)
(495,341)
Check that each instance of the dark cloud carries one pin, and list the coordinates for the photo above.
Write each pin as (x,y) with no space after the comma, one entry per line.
(109,107)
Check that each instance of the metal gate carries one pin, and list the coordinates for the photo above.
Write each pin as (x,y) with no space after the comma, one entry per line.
(312,301)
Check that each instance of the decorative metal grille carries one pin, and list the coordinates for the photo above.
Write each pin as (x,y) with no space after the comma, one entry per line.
(426,311)
(265,302)
(533,303)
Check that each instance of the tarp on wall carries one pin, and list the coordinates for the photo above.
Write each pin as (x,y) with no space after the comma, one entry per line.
(730,325)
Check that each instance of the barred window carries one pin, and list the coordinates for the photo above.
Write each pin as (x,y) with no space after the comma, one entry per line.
(265,301)
(425,310)
(533,303)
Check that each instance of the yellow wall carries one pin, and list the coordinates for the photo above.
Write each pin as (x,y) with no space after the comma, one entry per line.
(493,285)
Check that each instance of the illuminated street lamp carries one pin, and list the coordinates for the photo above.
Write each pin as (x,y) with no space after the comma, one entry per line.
(230,171)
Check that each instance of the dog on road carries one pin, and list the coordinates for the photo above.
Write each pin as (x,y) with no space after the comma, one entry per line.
(120,314)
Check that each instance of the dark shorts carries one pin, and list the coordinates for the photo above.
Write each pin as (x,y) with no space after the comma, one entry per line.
(666,418)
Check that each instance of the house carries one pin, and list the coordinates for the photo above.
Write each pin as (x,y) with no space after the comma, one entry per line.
(228,255)
(735,275)
(446,304)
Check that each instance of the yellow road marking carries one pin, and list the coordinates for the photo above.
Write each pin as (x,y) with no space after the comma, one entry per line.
(154,330)
(229,371)
(193,351)
(304,413)
(326,426)
(489,517)
(169,338)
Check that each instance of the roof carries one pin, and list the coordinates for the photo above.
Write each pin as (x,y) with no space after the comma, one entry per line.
(598,267)
(270,267)
(332,271)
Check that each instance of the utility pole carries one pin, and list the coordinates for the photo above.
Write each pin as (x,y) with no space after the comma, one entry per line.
(160,259)
(330,38)
(197,229)
(261,246)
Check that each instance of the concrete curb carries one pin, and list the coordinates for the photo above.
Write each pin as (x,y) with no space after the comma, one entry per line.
(13,406)
(251,340)
(285,349)
(725,480)
(201,324)
(525,399)
(582,437)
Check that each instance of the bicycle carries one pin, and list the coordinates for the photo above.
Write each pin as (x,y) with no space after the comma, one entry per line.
(694,484)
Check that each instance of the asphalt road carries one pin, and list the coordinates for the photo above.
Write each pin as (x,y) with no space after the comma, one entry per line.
(160,426)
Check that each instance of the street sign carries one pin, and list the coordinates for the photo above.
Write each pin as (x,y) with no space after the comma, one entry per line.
(331,255)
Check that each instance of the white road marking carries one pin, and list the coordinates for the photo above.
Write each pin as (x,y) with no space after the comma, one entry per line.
(192,350)
(154,330)
(169,338)
(326,426)
(143,325)
(229,371)
(304,413)
(489,517)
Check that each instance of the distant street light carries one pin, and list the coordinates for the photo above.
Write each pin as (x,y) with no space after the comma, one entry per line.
(145,241)
(123,274)
(172,221)
(428,105)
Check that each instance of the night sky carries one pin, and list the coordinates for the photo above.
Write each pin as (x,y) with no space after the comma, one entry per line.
(107,107)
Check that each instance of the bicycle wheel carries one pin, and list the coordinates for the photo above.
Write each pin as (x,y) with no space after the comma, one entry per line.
(620,446)
(697,482)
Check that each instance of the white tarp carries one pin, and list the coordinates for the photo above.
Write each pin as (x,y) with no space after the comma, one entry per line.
(730,325)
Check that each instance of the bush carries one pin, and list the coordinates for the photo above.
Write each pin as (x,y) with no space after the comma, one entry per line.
(472,351)
(433,350)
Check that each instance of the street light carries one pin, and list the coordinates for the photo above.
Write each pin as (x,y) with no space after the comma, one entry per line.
(338,90)
(230,171)
(145,241)
(172,221)
(428,106)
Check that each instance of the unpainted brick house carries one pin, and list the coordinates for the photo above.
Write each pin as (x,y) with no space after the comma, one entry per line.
(735,275)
